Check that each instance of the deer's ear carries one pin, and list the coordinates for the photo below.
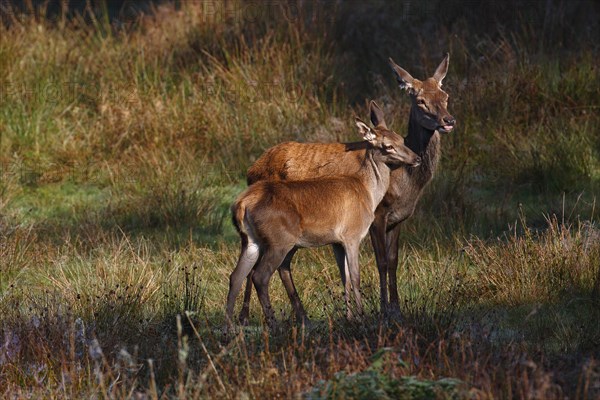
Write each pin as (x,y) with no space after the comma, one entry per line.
(405,81)
(442,69)
(365,131)
(377,118)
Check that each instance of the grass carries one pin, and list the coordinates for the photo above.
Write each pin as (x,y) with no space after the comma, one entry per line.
(125,138)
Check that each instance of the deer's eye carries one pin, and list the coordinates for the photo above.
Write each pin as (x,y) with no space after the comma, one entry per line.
(388,147)
(421,102)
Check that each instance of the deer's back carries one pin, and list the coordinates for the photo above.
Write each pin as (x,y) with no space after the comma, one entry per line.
(300,161)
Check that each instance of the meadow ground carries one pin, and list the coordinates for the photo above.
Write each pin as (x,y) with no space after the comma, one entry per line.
(125,136)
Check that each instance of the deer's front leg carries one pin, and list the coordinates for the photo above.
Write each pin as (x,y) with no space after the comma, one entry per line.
(352,251)
(340,258)
(377,231)
(392,245)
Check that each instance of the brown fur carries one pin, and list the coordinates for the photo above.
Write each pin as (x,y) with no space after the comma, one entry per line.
(275,217)
(428,115)
(304,209)
(296,161)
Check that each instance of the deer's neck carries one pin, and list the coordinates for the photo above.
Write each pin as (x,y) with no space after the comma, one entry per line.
(426,143)
(375,175)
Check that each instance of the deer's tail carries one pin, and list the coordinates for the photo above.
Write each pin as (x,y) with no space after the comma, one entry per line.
(241,211)
(238,213)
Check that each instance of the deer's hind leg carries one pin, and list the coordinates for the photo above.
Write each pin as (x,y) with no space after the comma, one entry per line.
(248,256)
(271,259)
(245,312)
(285,273)
(286,277)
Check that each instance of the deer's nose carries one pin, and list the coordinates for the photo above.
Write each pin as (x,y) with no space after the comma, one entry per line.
(449,120)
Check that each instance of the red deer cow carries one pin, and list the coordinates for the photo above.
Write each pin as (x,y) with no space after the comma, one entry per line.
(429,117)
(275,218)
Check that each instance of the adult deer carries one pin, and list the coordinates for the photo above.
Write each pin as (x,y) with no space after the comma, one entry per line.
(429,117)
(275,218)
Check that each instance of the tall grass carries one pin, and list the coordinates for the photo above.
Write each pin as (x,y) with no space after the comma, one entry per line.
(124,139)
(95,308)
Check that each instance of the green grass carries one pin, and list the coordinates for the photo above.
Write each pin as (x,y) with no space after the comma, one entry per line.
(122,148)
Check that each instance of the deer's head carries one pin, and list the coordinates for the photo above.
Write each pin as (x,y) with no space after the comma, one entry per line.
(429,101)
(389,145)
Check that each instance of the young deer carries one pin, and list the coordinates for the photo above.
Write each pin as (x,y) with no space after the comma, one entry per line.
(274,218)
(428,118)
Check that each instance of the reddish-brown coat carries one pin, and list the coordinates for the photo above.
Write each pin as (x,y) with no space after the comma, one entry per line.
(275,217)
(428,117)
